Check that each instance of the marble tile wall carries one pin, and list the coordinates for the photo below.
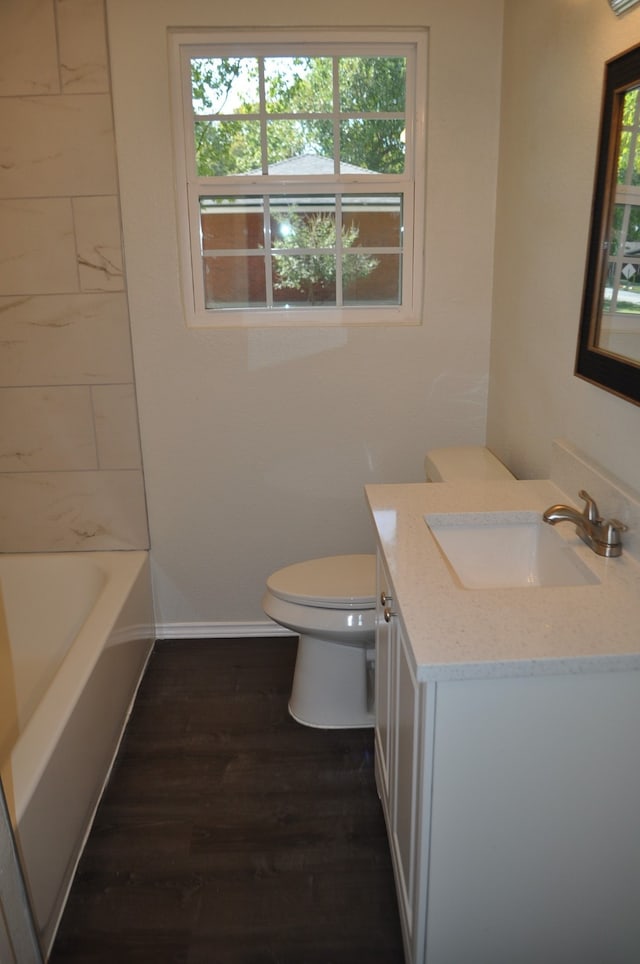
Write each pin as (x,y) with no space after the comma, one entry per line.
(70,467)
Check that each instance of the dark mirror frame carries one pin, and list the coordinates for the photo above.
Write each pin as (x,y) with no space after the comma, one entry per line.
(614,373)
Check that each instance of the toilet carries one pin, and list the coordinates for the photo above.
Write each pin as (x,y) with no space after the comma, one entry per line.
(330,603)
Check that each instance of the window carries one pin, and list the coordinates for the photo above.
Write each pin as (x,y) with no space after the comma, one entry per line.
(300,170)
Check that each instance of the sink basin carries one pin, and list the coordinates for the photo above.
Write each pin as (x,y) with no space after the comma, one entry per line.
(492,550)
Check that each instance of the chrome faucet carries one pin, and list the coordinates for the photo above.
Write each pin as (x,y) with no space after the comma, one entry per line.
(601,535)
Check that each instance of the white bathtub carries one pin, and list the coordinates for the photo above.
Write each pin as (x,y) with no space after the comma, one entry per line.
(77,632)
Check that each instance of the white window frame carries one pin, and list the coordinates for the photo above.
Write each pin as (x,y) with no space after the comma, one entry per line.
(410,42)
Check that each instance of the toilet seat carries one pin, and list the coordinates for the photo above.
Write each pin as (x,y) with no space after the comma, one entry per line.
(333,582)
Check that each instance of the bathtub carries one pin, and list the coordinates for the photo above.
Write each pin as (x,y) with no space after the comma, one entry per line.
(76,630)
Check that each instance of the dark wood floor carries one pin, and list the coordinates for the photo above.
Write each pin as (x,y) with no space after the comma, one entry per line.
(228,833)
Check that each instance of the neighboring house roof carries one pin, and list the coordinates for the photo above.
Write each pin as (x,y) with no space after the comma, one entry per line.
(312,164)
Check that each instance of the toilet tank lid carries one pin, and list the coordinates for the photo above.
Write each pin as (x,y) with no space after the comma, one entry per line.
(460,462)
(333,582)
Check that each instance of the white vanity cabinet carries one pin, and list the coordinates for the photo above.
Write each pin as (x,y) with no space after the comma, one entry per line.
(512,805)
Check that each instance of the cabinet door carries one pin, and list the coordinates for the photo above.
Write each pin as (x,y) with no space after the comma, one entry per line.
(384,682)
(400,771)
(535,850)
(405,780)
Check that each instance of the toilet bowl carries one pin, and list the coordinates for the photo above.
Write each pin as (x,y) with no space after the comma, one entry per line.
(330,603)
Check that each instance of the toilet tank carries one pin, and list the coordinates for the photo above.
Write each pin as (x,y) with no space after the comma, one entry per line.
(459,462)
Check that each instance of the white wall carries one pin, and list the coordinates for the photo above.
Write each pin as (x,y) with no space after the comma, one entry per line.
(257,444)
(554,58)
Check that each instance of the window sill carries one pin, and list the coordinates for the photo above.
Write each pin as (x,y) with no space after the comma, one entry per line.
(303,318)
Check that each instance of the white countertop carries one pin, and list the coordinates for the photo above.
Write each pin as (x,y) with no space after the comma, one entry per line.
(458,633)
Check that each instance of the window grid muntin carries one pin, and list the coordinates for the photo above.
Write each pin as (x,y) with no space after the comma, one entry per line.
(215,51)
(270,251)
(405,251)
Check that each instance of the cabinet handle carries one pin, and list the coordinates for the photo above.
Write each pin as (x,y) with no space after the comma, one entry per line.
(385,598)
(388,614)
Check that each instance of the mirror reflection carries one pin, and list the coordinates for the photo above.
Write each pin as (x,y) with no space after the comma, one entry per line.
(609,345)
(619,330)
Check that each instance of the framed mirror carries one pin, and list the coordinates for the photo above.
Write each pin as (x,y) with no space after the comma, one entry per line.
(609,340)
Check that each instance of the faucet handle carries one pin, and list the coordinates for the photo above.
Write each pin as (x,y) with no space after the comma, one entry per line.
(614,530)
(590,510)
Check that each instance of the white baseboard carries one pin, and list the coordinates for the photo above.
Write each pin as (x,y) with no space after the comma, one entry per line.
(218,630)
